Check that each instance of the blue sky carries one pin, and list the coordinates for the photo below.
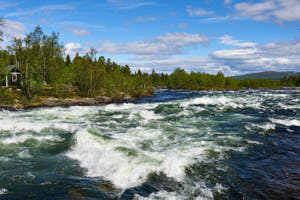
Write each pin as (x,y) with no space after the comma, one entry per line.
(233,36)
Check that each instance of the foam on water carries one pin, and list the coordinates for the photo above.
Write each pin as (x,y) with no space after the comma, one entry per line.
(3,191)
(225,102)
(24,137)
(205,100)
(149,115)
(119,160)
(4,159)
(286,122)
(24,154)
(289,107)
(199,192)
(29,124)
(265,126)
(125,143)
(126,157)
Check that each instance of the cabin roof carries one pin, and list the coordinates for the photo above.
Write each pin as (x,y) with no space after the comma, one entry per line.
(13,68)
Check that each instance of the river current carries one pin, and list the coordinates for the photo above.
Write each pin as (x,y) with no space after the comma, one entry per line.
(177,145)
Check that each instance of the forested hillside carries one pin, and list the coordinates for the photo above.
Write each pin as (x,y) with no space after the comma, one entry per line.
(266,75)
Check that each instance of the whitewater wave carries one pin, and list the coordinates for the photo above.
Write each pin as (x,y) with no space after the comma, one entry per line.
(265,126)
(127,159)
(118,159)
(223,102)
(128,144)
(286,122)
(3,191)
(23,138)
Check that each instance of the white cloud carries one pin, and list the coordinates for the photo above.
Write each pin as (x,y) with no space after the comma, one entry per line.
(248,9)
(279,56)
(67,24)
(157,54)
(228,1)
(72,48)
(130,4)
(183,39)
(161,46)
(78,31)
(198,12)
(218,19)
(270,10)
(283,61)
(196,64)
(146,19)
(235,54)
(289,10)
(44,10)
(228,40)
(78,28)
(12,29)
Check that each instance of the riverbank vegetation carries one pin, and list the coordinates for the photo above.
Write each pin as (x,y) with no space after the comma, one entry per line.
(180,79)
(48,72)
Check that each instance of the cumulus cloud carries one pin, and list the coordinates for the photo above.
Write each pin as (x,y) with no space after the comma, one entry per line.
(72,48)
(12,29)
(198,12)
(235,61)
(160,46)
(228,40)
(196,64)
(248,9)
(270,10)
(276,56)
(279,56)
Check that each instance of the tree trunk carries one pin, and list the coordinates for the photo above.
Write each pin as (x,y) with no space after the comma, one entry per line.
(27,83)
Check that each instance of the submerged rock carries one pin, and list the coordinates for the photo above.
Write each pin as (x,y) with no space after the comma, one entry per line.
(144,190)
(155,183)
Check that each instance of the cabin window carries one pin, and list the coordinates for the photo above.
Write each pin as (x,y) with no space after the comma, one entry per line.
(14,78)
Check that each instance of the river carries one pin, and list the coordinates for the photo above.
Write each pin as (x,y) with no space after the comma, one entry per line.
(177,145)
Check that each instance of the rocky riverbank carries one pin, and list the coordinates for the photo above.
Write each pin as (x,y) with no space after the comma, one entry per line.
(53,102)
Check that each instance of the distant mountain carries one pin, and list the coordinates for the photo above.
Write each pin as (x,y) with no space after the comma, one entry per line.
(268,74)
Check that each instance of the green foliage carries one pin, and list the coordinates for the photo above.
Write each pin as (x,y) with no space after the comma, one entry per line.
(58,90)
(180,79)
(7,97)
(292,81)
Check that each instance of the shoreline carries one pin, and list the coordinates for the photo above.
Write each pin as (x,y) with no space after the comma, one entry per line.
(48,102)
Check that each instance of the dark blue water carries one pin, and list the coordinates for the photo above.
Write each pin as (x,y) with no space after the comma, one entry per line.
(176,145)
